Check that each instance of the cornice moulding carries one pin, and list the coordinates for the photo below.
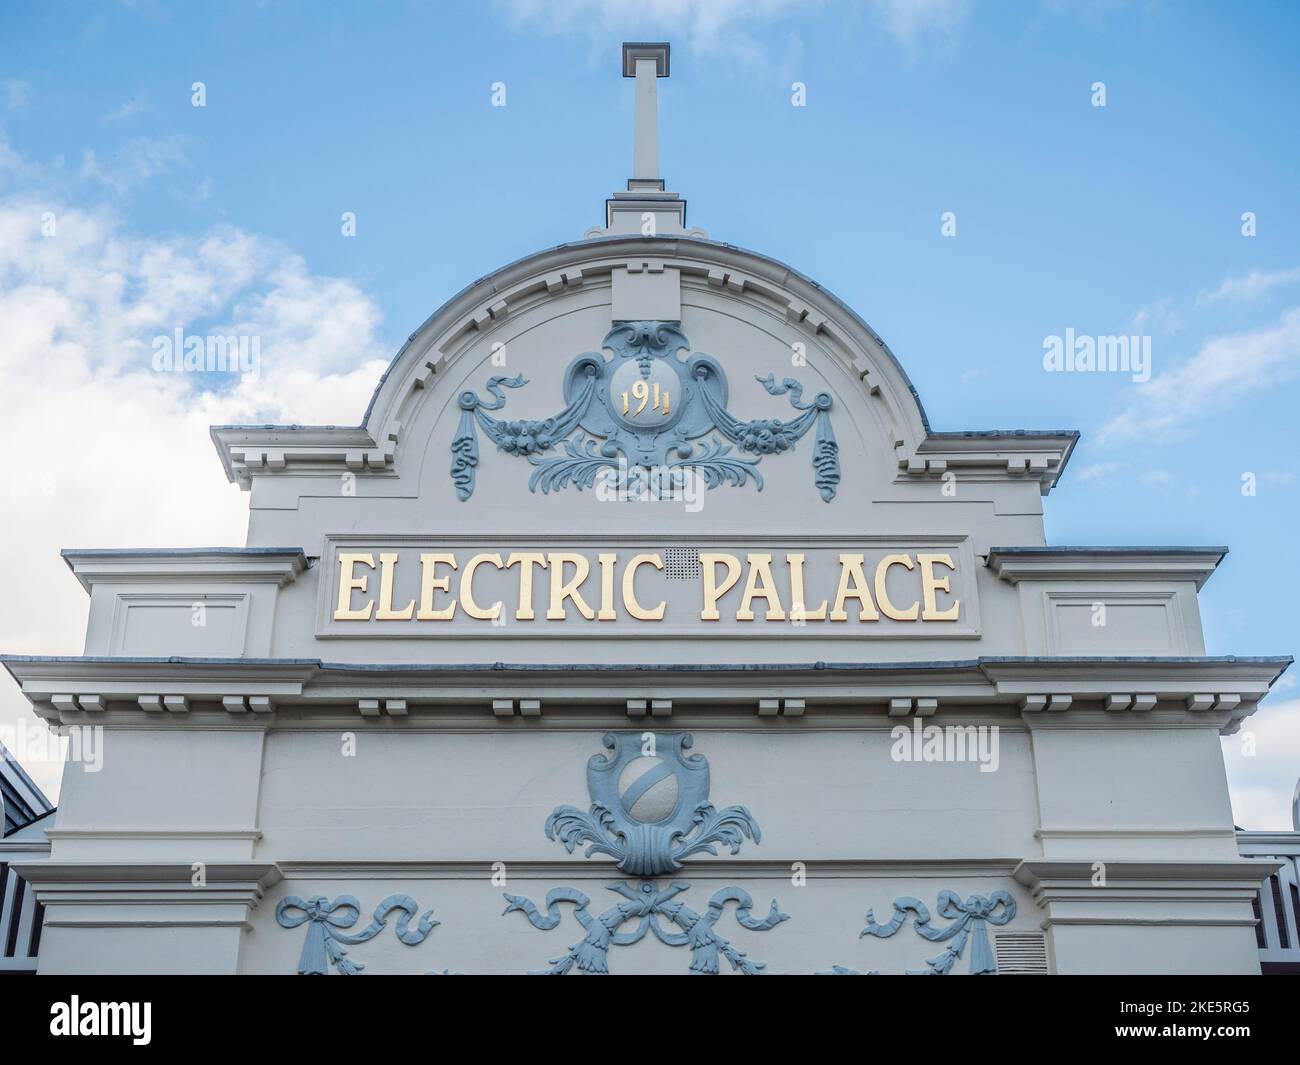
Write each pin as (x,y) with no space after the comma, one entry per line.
(1016,564)
(1009,673)
(996,454)
(725,868)
(1190,872)
(230,890)
(271,565)
(1202,832)
(1288,842)
(250,834)
(1102,692)
(21,848)
(1068,891)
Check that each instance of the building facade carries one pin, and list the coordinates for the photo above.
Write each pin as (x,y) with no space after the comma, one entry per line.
(646,606)
(27,816)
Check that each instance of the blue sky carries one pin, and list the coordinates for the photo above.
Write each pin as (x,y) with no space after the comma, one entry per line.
(1123,219)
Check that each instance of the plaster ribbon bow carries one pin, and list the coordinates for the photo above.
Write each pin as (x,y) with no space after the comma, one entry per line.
(326,920)
(969,921)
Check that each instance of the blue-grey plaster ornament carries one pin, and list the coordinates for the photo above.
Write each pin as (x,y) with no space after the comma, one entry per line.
(646,903)
(650,806)
(645,409)
(326,920)
(968,918)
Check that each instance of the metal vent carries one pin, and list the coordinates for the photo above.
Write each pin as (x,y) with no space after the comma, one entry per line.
(682,563)
(1020,953)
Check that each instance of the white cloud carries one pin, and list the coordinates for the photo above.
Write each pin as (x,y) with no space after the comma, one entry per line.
(1253,286)
(916,22)
(140,159)
(201,193)
(12,165)
(129,109)
(1159,315)
(108,452)
(1262,784)
(1224,370)
(1099,471)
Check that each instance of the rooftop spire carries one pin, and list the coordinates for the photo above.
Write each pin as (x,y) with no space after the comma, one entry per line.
(647,63)
(646,207)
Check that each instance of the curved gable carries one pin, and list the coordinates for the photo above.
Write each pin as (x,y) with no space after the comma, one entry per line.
(755,315)
(645,433)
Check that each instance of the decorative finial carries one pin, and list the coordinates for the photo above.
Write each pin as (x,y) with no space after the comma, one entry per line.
(645,207)
(646,62)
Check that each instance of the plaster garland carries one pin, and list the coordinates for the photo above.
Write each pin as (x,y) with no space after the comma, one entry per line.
(646,903)
(969,920)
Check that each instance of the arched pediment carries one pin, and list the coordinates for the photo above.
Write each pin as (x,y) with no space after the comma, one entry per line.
(754,316)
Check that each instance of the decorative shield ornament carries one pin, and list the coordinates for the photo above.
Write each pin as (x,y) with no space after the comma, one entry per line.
(651,758)
(646,400)
(653,788)
(650,806)
(646,408)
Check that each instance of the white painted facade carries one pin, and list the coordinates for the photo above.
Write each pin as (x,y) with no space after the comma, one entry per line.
(276,749)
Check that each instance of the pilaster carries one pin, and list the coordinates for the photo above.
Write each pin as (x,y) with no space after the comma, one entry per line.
(116,918)
(1147,917)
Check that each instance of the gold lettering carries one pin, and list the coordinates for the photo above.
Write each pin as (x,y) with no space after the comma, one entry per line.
(882,590)
(471,608)
(527,560)
(853,585)
(760,585)
(429,583)
(387,563)
(607,611)
(562,589)
(630,603)
(720,574)
(349,582)
(930,584)
(712,591)
(799,607)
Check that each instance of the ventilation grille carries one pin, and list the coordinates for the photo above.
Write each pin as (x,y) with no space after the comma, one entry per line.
(1020,953)
(682,563)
